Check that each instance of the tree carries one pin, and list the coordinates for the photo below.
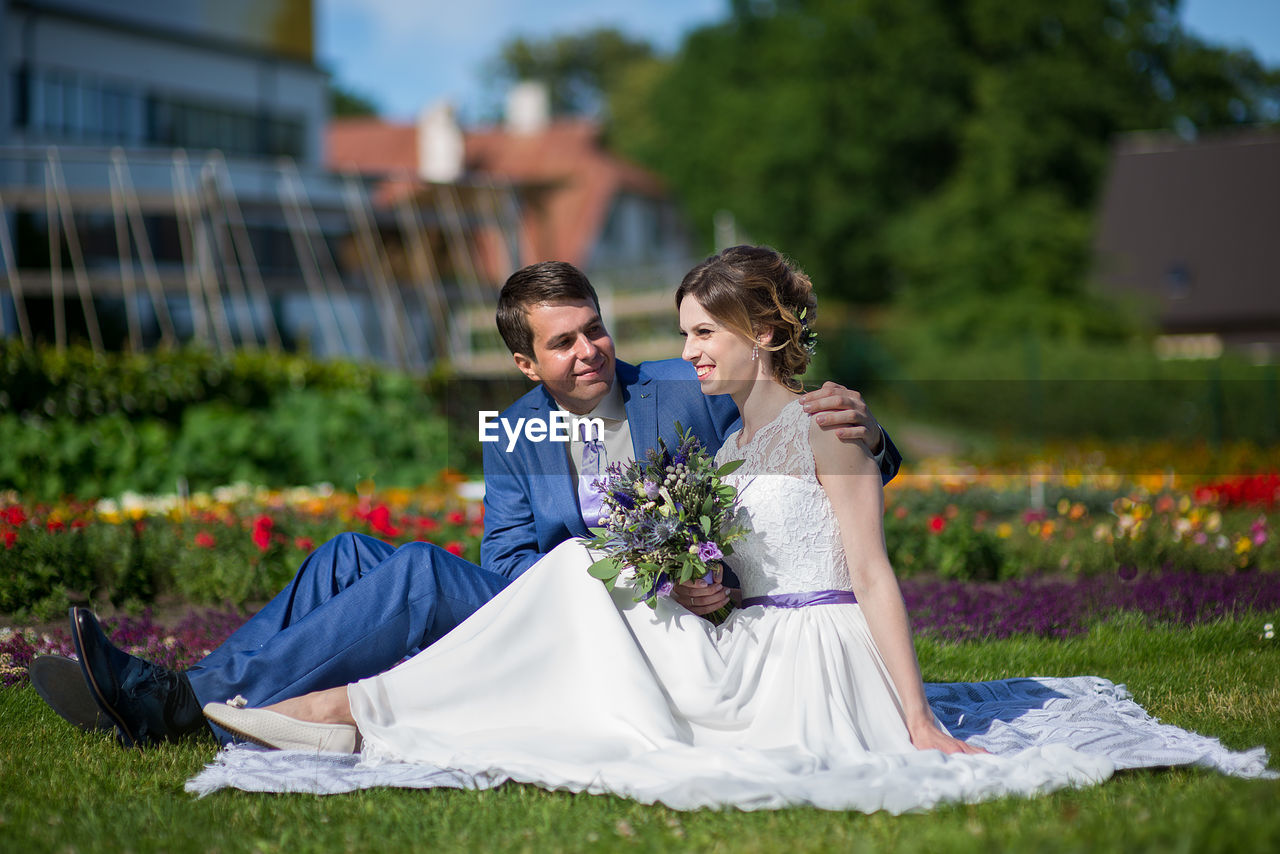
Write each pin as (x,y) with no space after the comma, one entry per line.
(579,70)
(1002,250)
(933,151)
(814,123)
(347,103)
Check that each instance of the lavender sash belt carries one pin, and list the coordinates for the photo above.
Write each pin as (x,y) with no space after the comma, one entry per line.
(800,600)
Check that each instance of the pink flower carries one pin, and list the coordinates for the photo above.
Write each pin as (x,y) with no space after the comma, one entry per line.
(205,540)
(305,543)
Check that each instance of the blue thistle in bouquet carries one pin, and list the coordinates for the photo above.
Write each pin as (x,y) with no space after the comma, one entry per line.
(669,518)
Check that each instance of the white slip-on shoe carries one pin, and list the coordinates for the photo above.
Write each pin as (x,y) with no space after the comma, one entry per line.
(277,731)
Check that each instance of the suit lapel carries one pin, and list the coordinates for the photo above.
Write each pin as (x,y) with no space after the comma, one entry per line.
(639,398)
(557,488)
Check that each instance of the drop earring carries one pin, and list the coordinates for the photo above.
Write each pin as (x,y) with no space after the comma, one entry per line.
(755,351)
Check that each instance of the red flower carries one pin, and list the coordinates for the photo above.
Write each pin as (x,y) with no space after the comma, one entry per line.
(54,525)
(454,547)
(380,522)
(14,515)
(936,524)
(9,539)
(262,531)
(205,540)
(426,524)
(305,543)
(455,517)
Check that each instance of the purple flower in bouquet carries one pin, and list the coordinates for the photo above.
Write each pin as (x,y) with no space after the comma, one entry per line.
(709,551)
(685,518)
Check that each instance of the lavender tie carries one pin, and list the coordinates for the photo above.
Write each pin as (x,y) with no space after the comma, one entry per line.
(589,498)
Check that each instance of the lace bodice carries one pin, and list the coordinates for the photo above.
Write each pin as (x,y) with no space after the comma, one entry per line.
(793,540)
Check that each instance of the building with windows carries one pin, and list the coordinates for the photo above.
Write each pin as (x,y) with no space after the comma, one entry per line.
(234,75)
(231,74)
(163,179)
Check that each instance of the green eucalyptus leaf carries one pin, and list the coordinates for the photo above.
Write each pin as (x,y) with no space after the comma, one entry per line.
(605,568)
(729,467)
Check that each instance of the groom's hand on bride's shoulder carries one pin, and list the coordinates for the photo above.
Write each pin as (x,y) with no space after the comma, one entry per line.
(844,412)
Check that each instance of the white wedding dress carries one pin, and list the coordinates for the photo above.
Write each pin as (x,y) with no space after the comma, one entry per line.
(558,683)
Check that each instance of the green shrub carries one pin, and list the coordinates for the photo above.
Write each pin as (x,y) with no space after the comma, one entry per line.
(76,424)
(1046,390)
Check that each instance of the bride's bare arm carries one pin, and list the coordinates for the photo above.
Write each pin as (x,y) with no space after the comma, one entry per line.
(852,483)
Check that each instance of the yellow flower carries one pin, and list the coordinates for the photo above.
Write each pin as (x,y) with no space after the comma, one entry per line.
(1064,507)
(1243,545)
(1004,530)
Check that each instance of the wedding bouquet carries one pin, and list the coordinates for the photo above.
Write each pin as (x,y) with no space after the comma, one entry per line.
(669,519)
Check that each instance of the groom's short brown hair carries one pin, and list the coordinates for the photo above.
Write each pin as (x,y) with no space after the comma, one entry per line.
(544,282)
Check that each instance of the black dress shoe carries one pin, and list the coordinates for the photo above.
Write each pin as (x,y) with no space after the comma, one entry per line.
(147,703)
(60,683)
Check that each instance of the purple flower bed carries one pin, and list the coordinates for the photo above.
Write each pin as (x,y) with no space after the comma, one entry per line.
(951,610)
(1062,607)
(180,645)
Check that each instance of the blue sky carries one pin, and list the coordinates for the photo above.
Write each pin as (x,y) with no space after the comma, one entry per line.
(407,54)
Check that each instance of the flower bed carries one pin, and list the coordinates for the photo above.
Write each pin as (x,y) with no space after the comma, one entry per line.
(234,545)
(241,544)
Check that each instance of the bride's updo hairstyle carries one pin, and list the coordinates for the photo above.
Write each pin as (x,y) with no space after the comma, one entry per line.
(751,289)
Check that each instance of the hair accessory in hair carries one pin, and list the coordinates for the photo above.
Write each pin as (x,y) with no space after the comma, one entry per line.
(808,336)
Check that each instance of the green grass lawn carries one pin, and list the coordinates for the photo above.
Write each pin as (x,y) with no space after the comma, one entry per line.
(61,790)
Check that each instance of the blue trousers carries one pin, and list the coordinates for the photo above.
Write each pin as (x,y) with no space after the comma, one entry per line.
(356,607)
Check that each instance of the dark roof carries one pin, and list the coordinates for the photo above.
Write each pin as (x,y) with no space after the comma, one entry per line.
(1194,228)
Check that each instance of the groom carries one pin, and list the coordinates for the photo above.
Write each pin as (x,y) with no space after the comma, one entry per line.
(358,606)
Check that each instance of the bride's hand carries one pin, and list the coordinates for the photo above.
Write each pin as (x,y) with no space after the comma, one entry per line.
(932,738)
(701,597)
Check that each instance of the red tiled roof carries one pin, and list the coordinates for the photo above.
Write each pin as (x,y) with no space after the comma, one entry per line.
(371,145)
(567,154)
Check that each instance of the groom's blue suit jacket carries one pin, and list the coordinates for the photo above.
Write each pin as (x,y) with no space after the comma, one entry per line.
(531,500)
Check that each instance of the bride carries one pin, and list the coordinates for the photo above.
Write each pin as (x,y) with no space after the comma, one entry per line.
(809,693)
